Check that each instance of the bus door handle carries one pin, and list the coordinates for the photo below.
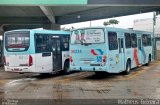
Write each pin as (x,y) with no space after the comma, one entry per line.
(45,54)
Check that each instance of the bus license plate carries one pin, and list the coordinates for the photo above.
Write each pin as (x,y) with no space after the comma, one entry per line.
(16,69)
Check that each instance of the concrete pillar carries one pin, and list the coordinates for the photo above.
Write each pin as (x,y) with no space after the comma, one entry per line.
(51,26)
(2,29)
(1,44)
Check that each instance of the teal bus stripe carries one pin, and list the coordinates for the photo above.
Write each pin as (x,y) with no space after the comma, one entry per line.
(42,2)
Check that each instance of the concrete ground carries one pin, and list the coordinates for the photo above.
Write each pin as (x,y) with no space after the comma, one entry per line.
(141,83)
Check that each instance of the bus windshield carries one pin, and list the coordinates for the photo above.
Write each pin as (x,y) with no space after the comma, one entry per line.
(17,41)
(84,36)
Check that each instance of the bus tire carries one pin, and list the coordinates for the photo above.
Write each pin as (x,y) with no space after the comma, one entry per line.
(149,60)
(66,67)
(128,67)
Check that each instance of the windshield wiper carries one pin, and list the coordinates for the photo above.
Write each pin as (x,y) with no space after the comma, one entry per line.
(81,42)
(86,44)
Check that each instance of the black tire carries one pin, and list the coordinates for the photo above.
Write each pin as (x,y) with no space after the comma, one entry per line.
(66,68)
(149,60)
(128,68)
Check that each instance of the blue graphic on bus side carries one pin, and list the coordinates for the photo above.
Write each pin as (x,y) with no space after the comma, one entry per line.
(99,58)
(101,52)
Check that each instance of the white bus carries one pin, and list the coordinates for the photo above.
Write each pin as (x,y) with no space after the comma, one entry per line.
(39,51)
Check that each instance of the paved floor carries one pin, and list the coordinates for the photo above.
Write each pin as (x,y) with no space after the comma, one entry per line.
(143,82)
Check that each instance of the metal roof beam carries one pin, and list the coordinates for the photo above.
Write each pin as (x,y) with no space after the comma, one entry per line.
(24,20)
(49,13)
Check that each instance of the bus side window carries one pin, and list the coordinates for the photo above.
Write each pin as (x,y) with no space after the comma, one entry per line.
(65,43)
(149,40)
(139,44)
(127,40)
(42,43)
(122,47)
(144,40)
(119,43)
(112,41)
(133,40)
(58,46)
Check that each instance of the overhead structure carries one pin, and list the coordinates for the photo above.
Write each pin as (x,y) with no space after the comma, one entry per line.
(49,13)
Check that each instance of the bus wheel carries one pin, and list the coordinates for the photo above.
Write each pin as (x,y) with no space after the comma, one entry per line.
(149,60)
(128,68)
(66,67)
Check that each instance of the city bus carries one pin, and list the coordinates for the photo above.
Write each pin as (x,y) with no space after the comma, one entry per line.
(36,51)
(109,49)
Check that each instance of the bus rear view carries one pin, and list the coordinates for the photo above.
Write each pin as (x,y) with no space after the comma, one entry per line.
(86,50)
(36,51)
(16,45)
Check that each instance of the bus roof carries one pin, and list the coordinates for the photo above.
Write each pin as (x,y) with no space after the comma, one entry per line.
(113,28)
(42,31)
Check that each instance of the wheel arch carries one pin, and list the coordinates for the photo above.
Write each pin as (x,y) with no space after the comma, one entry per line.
(128,60)
(66,60)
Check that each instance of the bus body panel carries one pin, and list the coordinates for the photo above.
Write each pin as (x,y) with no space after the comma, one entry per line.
(17,60)
(15,63)
(43,63)
(146,51)
(88,58)
(65,56)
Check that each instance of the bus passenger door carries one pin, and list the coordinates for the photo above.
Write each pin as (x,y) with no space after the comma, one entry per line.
(56,53)
(43,56)
(121,54)
(116,53)
(139,50)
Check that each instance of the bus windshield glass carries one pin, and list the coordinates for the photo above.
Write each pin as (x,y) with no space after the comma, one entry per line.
(17,41)
(84,36)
